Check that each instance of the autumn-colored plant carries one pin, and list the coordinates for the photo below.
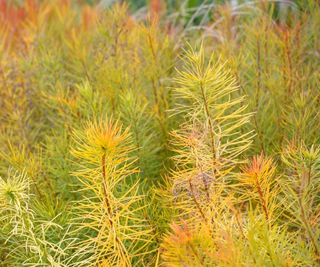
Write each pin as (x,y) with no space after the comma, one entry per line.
(184,133)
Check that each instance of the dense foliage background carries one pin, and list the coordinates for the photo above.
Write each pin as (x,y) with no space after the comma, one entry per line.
(160,133)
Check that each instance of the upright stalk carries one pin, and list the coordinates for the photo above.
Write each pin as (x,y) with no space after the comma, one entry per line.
(207,112)
(303,213)
(123,252)
(262,199)
(195,200)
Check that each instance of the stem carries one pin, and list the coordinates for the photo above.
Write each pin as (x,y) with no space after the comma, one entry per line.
(153,79)
(205,184)
(262,199)
(308,228)
(288,56)
(304,216)
(206,187)
(206,106)
(121,247)
(105,189)
(259,74)
(196,202)
(135,129)
(257,97)
(116,43)
(196,254)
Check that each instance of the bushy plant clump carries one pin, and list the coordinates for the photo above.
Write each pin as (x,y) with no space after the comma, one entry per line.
(188,138)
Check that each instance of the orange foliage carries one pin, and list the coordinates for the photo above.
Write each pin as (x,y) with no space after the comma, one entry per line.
(19,23)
